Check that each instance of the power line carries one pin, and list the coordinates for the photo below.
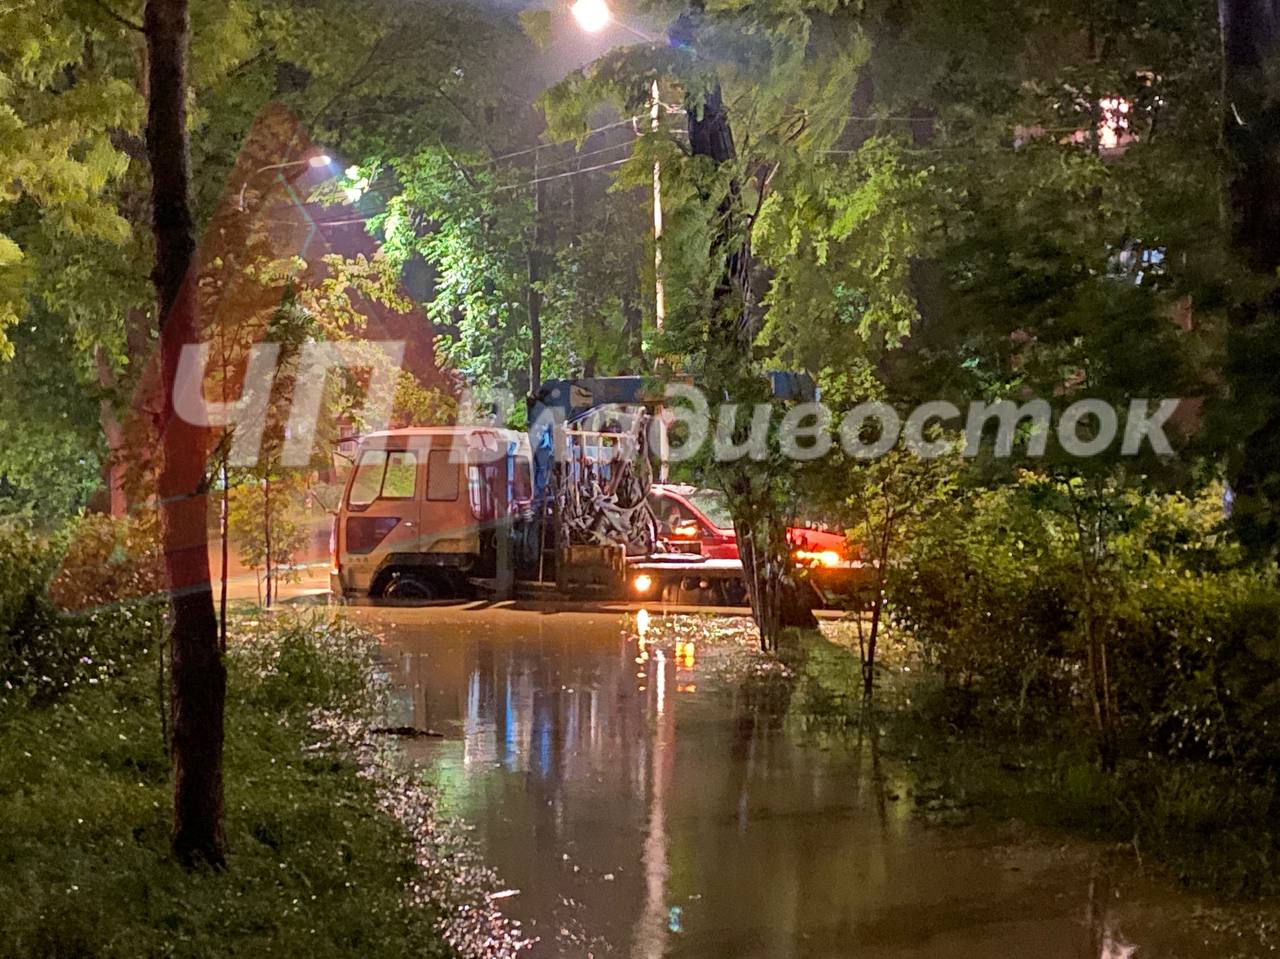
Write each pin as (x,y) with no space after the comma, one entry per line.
(560,176)
(668,108)
(581,156)
(627,121)
(621,144)
(549,146)
(630,121)
(614,163)
(513,186)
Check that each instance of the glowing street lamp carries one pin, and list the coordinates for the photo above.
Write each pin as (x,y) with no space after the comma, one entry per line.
(592,15)
(316,161)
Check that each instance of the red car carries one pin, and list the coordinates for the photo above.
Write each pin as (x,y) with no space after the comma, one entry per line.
(698,520)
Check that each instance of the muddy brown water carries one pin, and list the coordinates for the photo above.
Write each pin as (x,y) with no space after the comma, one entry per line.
(634,809)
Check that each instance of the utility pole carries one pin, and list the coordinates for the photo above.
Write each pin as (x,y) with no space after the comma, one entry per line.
(660,295)
(534,294)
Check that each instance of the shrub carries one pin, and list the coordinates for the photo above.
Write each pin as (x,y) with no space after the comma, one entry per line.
(26,616)
(307,661)
(1198,664)
(985,595)
(993,592)
(44,653)
(109,560)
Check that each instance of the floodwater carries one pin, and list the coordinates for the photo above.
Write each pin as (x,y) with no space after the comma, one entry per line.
(634,809)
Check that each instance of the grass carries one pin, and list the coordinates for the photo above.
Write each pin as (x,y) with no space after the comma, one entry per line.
(316,868)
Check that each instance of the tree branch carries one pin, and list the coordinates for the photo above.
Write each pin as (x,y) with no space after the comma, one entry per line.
(357,77)
(122,20)
(462,170)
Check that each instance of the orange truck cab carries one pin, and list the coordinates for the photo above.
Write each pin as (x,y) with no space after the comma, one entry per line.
(420,508)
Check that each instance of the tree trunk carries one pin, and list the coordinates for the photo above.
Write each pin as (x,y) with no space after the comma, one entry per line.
(534,302)
(877,605)
(873,638)
(267,563)
(224,551)
(1251,129)
(762,537)
(762,591)
(710,133)
(1251,137)
(632,321)
(113,472)
(198,673)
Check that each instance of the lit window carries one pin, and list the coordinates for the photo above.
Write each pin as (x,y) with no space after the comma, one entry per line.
(1113,128)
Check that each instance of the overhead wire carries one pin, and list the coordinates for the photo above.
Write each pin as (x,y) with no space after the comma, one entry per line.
(582,156)
(549,146)
(560,176)
(631,121)
(668,108)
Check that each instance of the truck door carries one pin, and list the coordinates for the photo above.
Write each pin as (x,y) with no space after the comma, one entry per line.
(447,527)
(383,510)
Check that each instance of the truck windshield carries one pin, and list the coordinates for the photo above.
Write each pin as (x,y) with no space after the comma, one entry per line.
(713,506)
(368,480)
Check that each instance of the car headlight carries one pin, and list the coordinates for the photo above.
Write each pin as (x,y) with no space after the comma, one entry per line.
(828,558)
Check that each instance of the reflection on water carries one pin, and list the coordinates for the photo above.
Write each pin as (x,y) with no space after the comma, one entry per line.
(641,812)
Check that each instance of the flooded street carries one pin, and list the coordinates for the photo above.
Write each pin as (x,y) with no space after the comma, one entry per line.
(634,806)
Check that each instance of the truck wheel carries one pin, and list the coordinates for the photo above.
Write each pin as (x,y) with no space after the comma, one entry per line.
(409,588)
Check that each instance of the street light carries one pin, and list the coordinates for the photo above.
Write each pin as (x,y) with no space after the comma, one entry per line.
(592,15)
(315,161)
